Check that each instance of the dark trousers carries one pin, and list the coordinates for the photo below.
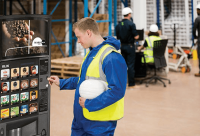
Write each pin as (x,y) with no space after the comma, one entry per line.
(128,52)
(198,52)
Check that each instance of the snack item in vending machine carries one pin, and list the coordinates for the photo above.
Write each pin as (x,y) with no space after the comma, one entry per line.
(14,98)
(24,84)
(33,95)
(4,113)
(14,111)
(4,100)
(14,73)
(5,74)
(33,107)
(24,96)
(14,85)
(34,70)
(34,83)
(24,109)
(5,87)
(24,71)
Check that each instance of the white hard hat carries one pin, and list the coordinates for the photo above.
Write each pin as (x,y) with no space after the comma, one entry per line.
(198,6)
(90,89)
(153,28)
(126,11)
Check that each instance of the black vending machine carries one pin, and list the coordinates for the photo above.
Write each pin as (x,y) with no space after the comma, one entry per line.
(24,69)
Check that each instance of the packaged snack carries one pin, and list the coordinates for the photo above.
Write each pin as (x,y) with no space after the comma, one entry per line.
(5,113)
(34,70)
(15,85)
(24,96)
(14,111)
(4,87)
(14,98)
(24,109)
(14,73)
(24,71)
(5,74)
(4,100)
(33,107)
(24,84)
(34,83)
(33,95)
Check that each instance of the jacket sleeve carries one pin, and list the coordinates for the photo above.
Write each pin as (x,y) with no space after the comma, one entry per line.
(70,83)
(115,69)
(195,27)
(134,31)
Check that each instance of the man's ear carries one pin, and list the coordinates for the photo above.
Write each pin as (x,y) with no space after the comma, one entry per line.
(89,33)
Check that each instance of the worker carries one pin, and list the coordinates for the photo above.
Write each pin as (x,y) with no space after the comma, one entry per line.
(126,33)
(98,116)
(197,28)
(153,35)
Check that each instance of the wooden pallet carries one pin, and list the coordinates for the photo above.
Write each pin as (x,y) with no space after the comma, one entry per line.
(66,67)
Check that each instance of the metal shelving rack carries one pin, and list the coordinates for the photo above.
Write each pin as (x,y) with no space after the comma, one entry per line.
(71,37)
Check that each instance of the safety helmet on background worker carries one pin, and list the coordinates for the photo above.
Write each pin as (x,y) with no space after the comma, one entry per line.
(198,6)
(153,28)
(126,11)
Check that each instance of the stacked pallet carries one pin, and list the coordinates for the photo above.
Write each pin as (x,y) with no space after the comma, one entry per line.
(66,67)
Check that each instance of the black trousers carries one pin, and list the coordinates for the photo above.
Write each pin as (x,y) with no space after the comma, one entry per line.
(198,52)
(128,52)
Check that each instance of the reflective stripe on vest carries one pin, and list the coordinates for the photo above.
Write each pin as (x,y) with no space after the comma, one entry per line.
(148,52)
(94,71)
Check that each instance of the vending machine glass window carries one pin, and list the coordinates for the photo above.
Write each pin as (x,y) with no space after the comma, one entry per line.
(24,37)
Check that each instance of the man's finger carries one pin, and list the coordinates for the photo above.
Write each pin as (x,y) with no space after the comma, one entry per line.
(16,39)
(31,33)
(23,39)
(28,37)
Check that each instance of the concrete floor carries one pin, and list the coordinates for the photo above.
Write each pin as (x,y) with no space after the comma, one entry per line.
(149,111)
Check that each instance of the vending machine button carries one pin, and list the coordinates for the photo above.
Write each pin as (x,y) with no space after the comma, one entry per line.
(41,79)
(47,85)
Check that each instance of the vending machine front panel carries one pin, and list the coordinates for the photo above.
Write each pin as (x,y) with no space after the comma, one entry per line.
(24,69)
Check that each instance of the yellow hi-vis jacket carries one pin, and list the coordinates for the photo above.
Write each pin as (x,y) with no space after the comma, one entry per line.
(148,52)
(116,110)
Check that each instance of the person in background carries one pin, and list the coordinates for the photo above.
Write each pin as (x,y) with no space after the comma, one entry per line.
(98,116)
(197,28)
(126,33)
(153,35)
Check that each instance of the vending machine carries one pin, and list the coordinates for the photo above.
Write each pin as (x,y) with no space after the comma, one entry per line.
(24,69)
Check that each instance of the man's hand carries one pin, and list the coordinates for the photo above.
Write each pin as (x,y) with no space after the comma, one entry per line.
(140,47)
(82,101)
(53,79)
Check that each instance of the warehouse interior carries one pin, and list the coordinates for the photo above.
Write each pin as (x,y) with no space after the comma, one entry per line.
(149,110)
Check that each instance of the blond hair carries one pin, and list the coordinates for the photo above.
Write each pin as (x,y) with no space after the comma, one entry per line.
(85,24)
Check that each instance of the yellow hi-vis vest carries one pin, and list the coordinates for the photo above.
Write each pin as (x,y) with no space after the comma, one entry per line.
(94,71)
(148,52)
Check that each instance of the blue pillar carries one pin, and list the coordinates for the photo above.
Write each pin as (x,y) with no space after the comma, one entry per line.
(70,28)
(75,20)
(85,14)
(115,14)
(110,17)
(158,13)
(44,7)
